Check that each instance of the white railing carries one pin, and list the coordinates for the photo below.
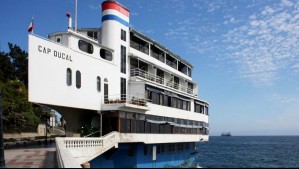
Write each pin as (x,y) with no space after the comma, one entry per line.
(179,87)
(146,75)
(157,79)
(116,99)
(84,149)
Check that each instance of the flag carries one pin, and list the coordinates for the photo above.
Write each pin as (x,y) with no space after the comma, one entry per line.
(31,26)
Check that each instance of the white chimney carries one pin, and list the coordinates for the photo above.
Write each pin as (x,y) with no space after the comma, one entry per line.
(69,20)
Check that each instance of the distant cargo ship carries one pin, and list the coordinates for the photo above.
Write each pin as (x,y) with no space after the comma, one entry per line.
(226,134)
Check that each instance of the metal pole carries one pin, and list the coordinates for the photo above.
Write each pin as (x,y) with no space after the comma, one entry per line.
(46,141)
(2,159)
(101,126)
(76,10)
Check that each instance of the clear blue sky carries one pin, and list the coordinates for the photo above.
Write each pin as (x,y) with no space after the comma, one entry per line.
(245,52)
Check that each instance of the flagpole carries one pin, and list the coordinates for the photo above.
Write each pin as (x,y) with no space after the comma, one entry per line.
(32,24)
(76,6)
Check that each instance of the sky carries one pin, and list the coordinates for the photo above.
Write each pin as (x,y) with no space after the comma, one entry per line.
(245,52)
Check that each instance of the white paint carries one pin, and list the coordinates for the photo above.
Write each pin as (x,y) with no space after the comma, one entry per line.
(165,111)
(114,12)
(47,76)
(154,153)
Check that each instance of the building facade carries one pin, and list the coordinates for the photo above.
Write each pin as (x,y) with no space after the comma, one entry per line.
(115,79)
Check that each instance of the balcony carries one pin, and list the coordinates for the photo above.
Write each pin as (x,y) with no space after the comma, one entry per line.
(125,102)
(159,80)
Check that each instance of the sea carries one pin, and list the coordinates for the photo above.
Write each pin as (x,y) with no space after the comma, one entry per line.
(248,152)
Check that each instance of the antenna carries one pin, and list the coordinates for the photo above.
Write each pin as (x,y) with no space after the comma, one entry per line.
(76,5)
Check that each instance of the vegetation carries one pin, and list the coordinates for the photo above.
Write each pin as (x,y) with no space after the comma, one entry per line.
(18,113)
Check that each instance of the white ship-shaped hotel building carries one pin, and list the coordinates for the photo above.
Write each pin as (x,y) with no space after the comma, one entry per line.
(137,94)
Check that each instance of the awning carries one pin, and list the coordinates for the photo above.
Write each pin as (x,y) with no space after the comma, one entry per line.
(184,99)
(154,90)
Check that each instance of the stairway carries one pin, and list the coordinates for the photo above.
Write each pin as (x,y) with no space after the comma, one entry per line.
(86,149)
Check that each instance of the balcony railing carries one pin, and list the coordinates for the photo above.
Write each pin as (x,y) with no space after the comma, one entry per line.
(179,87)
(157,79)
(117,99)
(146,75)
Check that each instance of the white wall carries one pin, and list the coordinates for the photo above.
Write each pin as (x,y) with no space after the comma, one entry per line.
(176,113)
(47,76)
(137,89)
(162,138)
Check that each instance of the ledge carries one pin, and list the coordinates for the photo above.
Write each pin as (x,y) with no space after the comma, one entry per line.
(124,107)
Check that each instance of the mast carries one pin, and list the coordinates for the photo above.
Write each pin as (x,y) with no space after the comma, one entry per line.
(76,10)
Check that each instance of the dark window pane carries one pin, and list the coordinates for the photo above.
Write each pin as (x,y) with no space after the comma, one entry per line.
(123,59)
(78,79)
(123,88)
(69,77)
(106,92)
(85,47)
(123,125)
(99,84)
(123,35)
(106,54)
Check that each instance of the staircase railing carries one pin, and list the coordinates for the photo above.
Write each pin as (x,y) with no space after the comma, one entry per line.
(86,149)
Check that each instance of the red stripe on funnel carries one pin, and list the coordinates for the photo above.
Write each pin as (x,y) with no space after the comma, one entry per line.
(115,6)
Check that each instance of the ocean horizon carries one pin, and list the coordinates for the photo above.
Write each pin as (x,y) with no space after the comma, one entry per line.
(249,152)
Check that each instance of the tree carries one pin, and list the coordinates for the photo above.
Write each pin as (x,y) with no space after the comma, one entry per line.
(6,67)
(12,104)
(20,62)
(17,111)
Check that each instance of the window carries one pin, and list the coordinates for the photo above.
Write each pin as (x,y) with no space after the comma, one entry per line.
(106,54)
(190,88)
(174,102)
(123,59)
(189,72)
(183,68)
(167,101)
(207,110)
(68,76)
(85,46)
(160,76)
(99,84)
(106,93)
(123,88)
(170,61)
(157,53)
(123,35)
(139,44)
(78,79)
(92,34)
